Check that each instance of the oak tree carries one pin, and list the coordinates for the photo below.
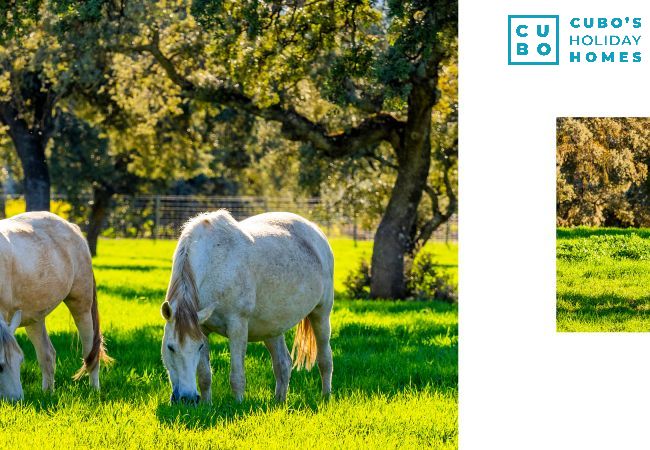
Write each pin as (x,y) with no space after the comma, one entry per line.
(376,67)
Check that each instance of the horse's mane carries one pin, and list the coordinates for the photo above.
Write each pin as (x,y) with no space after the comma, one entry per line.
(8,341)
(220,220)
(182,290)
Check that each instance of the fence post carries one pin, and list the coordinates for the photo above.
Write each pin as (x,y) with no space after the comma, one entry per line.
(156,217)
(329,220)
(3,203)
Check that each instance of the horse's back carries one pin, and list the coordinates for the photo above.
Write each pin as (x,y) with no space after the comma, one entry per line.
(291,233)
(43,255)
(54,235)
(292,264)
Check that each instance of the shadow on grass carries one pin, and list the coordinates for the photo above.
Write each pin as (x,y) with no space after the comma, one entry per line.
(167,260)
(127,267)
(368,359)
(208,416)
(140,293)
(396,307)
(567,233)
(604,307)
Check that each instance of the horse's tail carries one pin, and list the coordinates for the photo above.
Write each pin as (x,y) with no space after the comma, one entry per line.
(97,351)
(304,346)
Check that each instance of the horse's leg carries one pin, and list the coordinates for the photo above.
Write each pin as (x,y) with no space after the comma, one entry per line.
(205,374)
(45,352)
(281,365)
(320,322)
(82,315)
(237,341)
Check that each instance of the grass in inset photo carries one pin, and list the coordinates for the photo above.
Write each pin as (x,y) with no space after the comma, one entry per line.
(603,279)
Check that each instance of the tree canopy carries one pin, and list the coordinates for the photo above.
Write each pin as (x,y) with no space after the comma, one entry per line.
(355,101)
(602,171)
(342,78)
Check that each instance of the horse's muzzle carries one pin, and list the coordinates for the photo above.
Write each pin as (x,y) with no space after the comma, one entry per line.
(184,399)
(12,398)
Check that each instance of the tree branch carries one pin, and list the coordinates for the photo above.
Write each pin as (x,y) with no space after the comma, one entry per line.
(383,161)
(439,216)
(295,126)
(154,48)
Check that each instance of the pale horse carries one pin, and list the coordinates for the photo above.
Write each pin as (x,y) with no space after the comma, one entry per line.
(45,260)
(249,281)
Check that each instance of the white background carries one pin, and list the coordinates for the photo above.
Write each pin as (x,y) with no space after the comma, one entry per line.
(522,385)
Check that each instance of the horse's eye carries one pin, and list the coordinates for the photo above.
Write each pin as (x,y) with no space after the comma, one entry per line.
(2,368)
(171,349)
(201,347)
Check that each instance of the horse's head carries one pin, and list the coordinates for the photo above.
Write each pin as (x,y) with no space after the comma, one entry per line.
(11,357)
(182,345)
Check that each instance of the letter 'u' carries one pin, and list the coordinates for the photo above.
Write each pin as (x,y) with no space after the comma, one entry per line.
(547,29)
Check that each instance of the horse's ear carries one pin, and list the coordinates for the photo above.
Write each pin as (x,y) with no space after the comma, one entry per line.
(206,312)
(15,321)
(166,311)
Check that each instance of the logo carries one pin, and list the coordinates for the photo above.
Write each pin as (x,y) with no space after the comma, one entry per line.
(533,40)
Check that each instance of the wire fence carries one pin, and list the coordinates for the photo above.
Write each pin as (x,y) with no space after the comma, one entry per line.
(161,216)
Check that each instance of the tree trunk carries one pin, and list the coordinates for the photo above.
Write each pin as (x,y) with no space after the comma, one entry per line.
(36,176)
(98,211)
(394,234)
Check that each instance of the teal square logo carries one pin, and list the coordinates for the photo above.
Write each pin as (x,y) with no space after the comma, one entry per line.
(533,40)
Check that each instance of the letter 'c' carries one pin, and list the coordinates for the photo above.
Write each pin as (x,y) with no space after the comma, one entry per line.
(519,33)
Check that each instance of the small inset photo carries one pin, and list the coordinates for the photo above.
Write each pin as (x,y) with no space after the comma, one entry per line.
(603,224)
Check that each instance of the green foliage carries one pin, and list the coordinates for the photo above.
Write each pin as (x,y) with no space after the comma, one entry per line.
(357,283)
(72,10)
(81,162)
(16,18)
(602,171)
(602,279)
(426,281)
(354,188)
(53,57)
(395,378)
(416,30)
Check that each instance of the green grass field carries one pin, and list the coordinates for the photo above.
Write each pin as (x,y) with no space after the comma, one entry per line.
(603,279)
(395,374)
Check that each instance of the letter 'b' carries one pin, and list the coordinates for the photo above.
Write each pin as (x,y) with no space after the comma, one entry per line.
(522,48)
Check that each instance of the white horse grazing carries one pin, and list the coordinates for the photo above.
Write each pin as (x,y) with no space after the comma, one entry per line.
(249,281)
(45,260)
